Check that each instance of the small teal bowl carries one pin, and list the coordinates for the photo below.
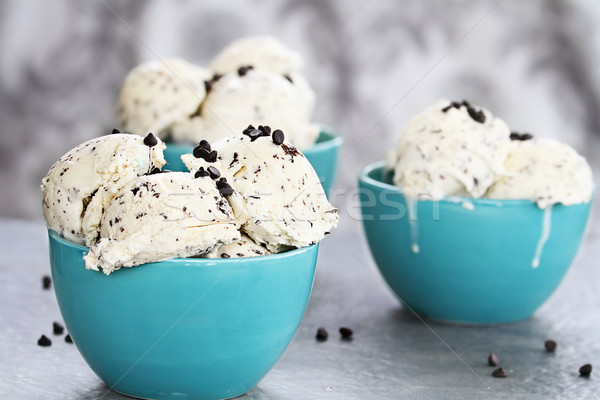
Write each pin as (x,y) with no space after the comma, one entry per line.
(323,156)
(466,260)
(183,328)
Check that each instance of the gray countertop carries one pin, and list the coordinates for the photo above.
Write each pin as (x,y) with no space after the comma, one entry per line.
(393,354)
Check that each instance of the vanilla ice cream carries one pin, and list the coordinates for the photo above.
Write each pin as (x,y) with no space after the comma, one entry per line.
(277,197)
(450,149)
(545,171)
(244,247)
(81,183)
(157,94)
(264,52)
(253,96)
(162,216)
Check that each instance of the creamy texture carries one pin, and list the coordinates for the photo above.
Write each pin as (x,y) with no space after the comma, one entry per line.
(157,94)
(257,97)
(159,217)
(263,52)
(278,199)
(244,247)
(544,171)
(81,183)
(446,151)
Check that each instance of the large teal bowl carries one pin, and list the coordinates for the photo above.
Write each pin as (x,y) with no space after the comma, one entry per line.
(323,156)
(476,257)
(183,328)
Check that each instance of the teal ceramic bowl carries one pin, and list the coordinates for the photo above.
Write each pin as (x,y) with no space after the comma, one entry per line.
(323,156)
(183,328)
(463,260)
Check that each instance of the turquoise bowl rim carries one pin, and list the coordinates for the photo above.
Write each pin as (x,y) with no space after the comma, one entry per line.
(194,260)
(476,201)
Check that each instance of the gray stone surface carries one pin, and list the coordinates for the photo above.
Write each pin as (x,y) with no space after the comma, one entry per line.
(393,354)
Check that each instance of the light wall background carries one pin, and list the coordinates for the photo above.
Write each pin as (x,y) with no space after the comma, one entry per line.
(372,63)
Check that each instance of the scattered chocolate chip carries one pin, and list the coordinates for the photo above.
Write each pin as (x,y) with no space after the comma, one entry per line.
(248,129)
(216,77)
(201,173)
(115,130)
(46,282)
(453,104)
(207,86)
(493,360)
(278,137)
(244,69)
(68,339)
(226,190)
(289,78)
(150,140)
(346,333)
(205,145)
(254,134)
(44,341)
(550,345)
(156,170)
(213,172)
(57,328)
(499,373)
(476,115)
(266,130)
(135,190)
(211,157)
(520,136)
(585,370)
(322,335)
(225,255)
(200,152)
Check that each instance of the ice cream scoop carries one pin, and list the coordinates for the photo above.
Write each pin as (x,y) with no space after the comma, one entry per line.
(277,197)
(244,247)
(256,96)
(162,216)
(450,149)
(263,52)
(157,94)
(544,171)
(81,183)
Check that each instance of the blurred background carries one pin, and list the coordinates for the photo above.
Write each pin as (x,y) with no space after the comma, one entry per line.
(373,64)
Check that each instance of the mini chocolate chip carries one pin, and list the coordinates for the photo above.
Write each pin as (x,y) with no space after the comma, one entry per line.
(266,130)
(211,157)
(346,333)
(248,129)
(207,86)
(278,137)
(213,172)
(156,170)
(550,345)
(46,282)
(68,339)
(204,145)
(585,370)
(225,255)
(476,115)
(453,104)
(57,328)
(200,152)
(115,130)
(520,136)
(201,173)
(289,78)
(216,77)
(322,335)
(254,134)
(44,341)
(226,190)
(244,69)
(493,360)
(499,373)
(150,140)
(221,182)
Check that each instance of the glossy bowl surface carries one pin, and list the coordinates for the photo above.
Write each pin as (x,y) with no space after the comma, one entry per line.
(183,328)
(323,156)
(478,261)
